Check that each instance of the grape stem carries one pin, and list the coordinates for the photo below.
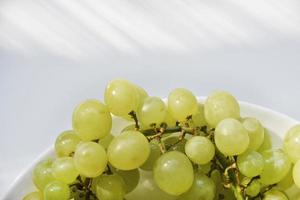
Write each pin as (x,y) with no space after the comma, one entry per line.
(134,117)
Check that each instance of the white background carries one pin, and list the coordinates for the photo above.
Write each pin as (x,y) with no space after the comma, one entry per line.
(54,54)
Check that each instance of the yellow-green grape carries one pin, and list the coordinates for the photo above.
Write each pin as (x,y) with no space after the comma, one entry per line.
(106,141)
(267,143)
(121,96)
(254,188)
(169,120)
(152,111)
(217,179)
(66,143)
(200,150)
(130,177)
(203,188)
(250,163)
(110,187)
(198,118)
(154,155)
(173,173)
(91,120)
(292,143)
(57,190)
(220,105)
(231,137)
(276,166)
(275,195)
(64,170)
(90,159)
(287,181)
(34,196)
(141,95)
(296,173)
(255,132)
(204,168)
(128,150)
(42,174)
(130,127)
(182,103)
(172,143)
(148,190)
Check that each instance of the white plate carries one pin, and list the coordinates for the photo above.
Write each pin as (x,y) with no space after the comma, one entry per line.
(275,122)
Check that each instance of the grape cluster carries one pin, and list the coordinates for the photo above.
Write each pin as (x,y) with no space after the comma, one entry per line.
(179,150)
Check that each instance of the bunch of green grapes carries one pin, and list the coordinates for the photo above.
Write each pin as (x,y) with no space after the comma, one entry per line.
(178,149)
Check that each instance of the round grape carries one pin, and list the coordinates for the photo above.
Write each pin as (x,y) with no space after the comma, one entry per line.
(92,120)
(66,143)
(57,190)
(104,142)
(42,174)
(199,118)
(292,143)
(200,150)
(90,159)
(130,177)
(154,155)
(274,195)
(182,103)
(231,137)
(121,97)
(110,187)
(276,166)
(203,188)
(173,173)
(267,143)
(255,132)
(254,188)
(64,170)
(220,105)
(128,150)
(250,163)
(173,143)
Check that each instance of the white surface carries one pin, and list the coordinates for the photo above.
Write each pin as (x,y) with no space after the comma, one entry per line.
(275,122)
(54,54)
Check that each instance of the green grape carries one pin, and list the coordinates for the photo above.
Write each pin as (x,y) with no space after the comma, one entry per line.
(276,167)
(255,132)
(292,143)
(152,111)
(92,120)
(182,103)
(169,120)
(148,190)
(130,177)
(274,195)
(204,168)
(287,181)
(200,150)
(90,159)
(198,118)
(217,179)
(154,155)
(130,127)
(141,95)
(220,105)
(34,196)
(203,188)
(42,174)
(267,143)
(128,150)
(66,143)
(231,137)
(296,173)
(106,141)
(57,190)
(121,97)
(173,173)
(172,143)
(110,187)
(64,170)
(250,163)
(254,188)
